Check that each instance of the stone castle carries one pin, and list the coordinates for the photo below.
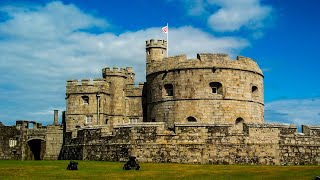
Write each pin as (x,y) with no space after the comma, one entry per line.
(204,110)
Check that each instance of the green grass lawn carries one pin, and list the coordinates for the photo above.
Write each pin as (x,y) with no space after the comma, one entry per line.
(113,170)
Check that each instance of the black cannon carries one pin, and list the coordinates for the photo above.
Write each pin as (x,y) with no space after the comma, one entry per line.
(131,164)
(72,165)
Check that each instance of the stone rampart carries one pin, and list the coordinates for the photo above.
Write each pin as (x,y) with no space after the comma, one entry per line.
(197,143)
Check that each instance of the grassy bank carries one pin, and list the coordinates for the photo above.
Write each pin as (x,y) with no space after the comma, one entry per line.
(113,170)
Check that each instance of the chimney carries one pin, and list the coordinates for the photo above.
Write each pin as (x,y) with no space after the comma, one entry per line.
(55,118)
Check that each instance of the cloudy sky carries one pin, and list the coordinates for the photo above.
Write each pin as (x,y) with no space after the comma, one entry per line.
(44,43)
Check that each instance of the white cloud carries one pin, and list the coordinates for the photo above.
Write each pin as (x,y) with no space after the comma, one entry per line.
(43,46)
(234,14)
(294,111)
(230,15)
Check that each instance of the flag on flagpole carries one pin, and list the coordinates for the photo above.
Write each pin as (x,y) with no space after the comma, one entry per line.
(165,29)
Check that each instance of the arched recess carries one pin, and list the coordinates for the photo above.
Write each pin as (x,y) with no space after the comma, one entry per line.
(191,119)
(239,120)
(35,149)
(239,124)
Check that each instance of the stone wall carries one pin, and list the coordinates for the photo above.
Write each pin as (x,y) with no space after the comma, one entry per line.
(54,142)
(8,133)
(197,143)
(302,148)
(25,142)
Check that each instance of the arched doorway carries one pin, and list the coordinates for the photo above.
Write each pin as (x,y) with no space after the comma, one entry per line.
(35,149)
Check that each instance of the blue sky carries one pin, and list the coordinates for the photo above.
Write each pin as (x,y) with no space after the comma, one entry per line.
(44,43)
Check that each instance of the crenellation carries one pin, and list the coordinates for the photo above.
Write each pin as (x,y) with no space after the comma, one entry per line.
(100,82)
(212,57)
(115,71)
(156,43)
(129,70)
(85,82)
(243,58)
(73,82)
(311,130)
(203,61)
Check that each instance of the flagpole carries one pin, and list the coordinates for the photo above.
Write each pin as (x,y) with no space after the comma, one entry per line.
(167,40)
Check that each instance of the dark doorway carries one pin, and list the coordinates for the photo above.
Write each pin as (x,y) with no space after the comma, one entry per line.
(36,149)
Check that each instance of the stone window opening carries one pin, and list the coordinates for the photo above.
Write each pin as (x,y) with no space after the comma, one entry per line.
(169,89)
(85,99)
(191,119)
(30,125)
(89,120)
(216,87)
(12,142)
(239,124)
(133,120)
(107,121)
(254,90)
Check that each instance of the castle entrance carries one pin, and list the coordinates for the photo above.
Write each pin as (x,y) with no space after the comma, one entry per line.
(35,149)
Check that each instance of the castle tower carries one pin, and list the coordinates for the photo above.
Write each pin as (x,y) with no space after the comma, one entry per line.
(156,50)
(117,84)
(210,89)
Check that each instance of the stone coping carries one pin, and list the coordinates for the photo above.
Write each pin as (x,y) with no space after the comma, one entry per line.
(312,127)
(141,124)
(271,125)
(197,124)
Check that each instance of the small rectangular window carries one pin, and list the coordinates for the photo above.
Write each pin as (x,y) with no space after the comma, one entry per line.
(169,89)
(214,90)
(133,120)
(89,120)
(12,143)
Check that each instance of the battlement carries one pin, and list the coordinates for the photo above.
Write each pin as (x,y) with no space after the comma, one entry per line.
(311,130)
(156,43)
(204,60)
(86,82)
(25,124)
(115,71)
(134,91)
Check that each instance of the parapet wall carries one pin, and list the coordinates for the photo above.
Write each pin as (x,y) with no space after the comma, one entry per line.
(261,144)
(117,72)
(87,86)
(134,91)
(204,61)
(156,43)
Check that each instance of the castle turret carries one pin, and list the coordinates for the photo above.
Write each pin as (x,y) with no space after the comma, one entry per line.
(156,50)
(117,83)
